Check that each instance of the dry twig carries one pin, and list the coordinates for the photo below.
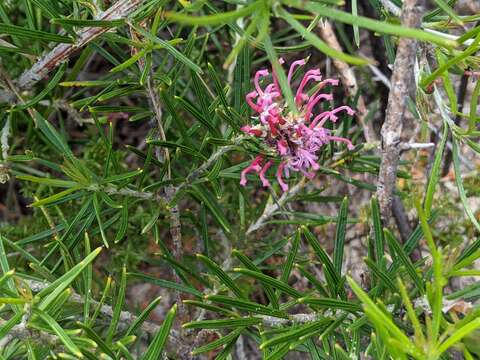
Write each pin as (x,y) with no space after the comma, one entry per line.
(120,10)
(349,80)
(397,102)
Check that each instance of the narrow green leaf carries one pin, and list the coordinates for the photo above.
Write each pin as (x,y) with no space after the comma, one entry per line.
(356,31)
(58,330)
(375,25)
(219,342)
(435,173)
(333,278)
(120,299)
(89,23)
(282,78)
(201,192)
(265,279)
(340,233)
(51,292)
(132,60)
(166,284)
(246,305)
(287,268)
(115,109)
(383,276)
(459,181)
(174,52)
(250,265)
(48,181)
(223,323)
(50,86)
(123,225)
(212,308)
(457,335)
(411,313)
(98,340)
(10,323)
(296,333)
(329,303)
(397,251)
(26,33)
(377,230)
(470,50)
(55,197)
(319,44)
(378,313)
(221,274)
(442,4)
(143,316)
(214,19)
(97,209)
(156,347)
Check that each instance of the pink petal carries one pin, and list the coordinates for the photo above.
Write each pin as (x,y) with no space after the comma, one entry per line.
(283,185)
(265,182)
(292,68)
(254,166)
(314,101)
(258,75)
(249,97)
(282,147)
(341,139)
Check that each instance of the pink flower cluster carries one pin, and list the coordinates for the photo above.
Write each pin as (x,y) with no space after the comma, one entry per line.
(295,138)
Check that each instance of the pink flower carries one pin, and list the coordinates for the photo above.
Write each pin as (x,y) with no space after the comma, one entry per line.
(294,138)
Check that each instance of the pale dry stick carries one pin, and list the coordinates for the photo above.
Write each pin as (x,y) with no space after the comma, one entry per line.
(195,174)
(4,139)
(348,79)
(126,317)
(391,7)
(292,319)
(169,191)
(22,332)
(273,207)
(184,348)
(145,195)
(175,225)
(61,53)
(402,80)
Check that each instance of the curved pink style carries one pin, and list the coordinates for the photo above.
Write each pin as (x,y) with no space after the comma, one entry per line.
(295,138)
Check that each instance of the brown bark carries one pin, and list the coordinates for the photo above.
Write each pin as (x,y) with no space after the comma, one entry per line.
(402,82)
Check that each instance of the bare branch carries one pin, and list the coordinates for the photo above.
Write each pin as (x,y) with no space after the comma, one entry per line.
(273,207)
(126,317)
(22,332)
(120,10)
(397,102)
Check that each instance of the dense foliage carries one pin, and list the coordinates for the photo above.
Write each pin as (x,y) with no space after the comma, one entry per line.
(173,147)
